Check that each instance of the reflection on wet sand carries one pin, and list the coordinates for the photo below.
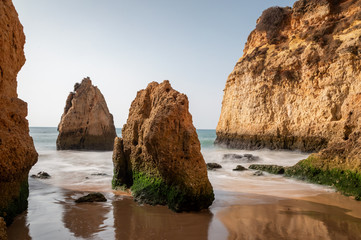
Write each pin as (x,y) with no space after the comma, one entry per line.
(20,228)
(290,219)
(84,219)
(132,221)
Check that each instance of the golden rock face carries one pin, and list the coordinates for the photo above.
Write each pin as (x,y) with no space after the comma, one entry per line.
(17,151)
(86,122)
(160,152)
(299,86)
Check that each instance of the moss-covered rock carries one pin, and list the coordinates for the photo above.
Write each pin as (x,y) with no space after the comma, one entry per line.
(274,169)
(159,155)
(346,181)
(13,200)
(154,190)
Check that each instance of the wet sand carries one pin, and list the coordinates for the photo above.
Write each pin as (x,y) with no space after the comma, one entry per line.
(245,206)
(52,214)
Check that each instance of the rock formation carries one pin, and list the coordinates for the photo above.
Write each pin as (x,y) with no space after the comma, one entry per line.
(17,151)
(86,122)
(159,156)
(298,85)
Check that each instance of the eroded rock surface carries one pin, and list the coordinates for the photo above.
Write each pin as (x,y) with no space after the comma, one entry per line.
(298,83)
(3,234)
(17,151)
(86,122)
(298,86)
(159,156)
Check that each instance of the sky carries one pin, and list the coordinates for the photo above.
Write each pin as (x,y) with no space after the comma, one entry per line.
(124,45)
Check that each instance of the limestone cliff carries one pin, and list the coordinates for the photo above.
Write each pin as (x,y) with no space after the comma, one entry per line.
(298,86)
(86,122)
(17,151)
(159,155)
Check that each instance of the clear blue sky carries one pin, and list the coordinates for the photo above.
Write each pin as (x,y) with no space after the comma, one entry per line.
(124,45)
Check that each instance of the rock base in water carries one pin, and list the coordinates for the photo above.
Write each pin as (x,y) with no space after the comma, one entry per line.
(86,123)
(344,180)
(159,156)
(240,168)
(213,166)
(274,169)
(41,175)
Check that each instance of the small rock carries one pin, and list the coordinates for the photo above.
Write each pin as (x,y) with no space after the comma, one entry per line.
(258,173)
(212,166)
(240,168)
(92,197)
(41,175)
(247,157)
(99,174)
(231,155)
(250,157)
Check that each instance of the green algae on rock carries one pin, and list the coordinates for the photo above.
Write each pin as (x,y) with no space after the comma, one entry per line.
(159,155)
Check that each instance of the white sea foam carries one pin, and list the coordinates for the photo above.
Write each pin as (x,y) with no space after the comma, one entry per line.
(89,171)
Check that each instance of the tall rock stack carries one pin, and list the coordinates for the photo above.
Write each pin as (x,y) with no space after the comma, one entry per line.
(86,123)
(17,151)
(298,85)
(159,155)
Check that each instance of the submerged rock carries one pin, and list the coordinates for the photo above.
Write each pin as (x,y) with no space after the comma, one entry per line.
(86,122)
(232,156)
(17,151)
(240,168)
(159,156)
(247,157)
(258,173)
(274,169)
(213,166)
(92,197)
(41,175)
(99,174)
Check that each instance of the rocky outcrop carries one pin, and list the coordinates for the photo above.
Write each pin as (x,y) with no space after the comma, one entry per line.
(3,234)
(298,81)
(159,156)
(86,122)
(298,86)
(17,151)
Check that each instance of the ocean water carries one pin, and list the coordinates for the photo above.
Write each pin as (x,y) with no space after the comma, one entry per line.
(245,207)
(92,170)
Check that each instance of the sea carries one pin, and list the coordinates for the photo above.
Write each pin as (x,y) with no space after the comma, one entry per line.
(246,206)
